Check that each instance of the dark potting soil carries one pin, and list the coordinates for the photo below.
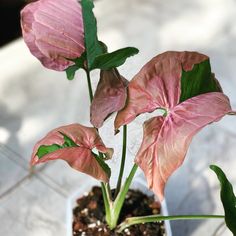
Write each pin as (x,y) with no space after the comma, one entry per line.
(89,215)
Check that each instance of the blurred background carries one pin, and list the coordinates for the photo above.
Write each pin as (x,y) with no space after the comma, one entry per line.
(34,100)
(10,19)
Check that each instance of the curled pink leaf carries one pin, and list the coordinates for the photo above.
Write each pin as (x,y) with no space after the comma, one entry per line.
(74,144)
(166,139)
(53,31)
(110,96)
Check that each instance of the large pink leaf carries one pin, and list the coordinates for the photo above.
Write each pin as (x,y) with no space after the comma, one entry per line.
(80,156)
(157,85)
(166,139)
(110,96)
(53,31)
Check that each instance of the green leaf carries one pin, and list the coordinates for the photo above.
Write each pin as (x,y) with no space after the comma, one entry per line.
(228,199)
(79,63)
(70,72)
(93,46)
(114,59)
(102,163)
(46,149)
(198,81)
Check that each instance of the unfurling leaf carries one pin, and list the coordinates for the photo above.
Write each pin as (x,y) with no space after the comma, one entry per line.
(74,144)
(110,96)
(70,72)
(114,59)
(228,199)
(181,84)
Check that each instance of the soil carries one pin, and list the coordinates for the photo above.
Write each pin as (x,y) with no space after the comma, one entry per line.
(89,215)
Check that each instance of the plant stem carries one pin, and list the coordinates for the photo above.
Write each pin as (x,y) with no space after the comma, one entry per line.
(107,200)
(106,192)
(119,201)
(113,209)
(122,164)
(155,218)
(89,85)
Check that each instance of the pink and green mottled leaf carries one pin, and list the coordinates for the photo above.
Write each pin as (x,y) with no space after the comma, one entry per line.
(166,139)
(110,96)
(53,40)
(182,84)
(74,144)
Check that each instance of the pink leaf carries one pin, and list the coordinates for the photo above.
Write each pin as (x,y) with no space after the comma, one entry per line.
(166,140)
(53,31)
(157,85)
(80,156)
(110,96)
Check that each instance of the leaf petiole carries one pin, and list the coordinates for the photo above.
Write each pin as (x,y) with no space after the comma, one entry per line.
(155,218)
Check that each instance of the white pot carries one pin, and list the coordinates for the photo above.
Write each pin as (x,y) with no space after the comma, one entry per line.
(138,183)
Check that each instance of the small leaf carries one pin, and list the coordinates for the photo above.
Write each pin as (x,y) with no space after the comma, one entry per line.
(79,63)
(198,81)
(73,144)
(104,166)
(70,72)
(114,59)
(93,46)
(228,199)
(110,96)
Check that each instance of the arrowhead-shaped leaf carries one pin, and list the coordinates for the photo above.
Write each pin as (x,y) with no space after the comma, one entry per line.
(181,83)
(74,144)
(114,59)
(228,199)
(166,139)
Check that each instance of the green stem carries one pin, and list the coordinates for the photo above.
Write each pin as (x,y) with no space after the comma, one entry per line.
(106,192)
(119,201)
(122,164)
(155,218)
(106,199)
(89,85)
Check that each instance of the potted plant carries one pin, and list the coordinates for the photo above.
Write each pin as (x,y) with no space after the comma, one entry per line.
(179,85)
